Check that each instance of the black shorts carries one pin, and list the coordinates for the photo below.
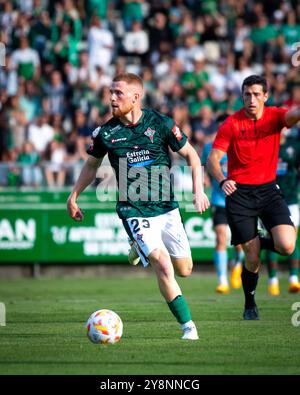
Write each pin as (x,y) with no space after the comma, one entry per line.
(248,203)
(219,215)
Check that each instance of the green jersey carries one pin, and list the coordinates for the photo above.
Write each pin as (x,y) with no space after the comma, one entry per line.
(288,170)
(139,155)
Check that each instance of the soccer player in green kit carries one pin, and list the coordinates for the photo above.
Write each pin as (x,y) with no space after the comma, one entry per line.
(288,171)
(137,141)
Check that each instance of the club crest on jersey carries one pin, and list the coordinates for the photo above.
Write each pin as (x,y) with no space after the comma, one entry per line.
(177,132)
(150,133)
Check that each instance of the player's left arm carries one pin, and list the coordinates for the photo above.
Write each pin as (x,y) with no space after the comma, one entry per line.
(200,200)
(292,117)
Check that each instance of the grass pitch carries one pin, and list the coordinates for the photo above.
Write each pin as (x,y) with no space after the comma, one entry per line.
(45,329)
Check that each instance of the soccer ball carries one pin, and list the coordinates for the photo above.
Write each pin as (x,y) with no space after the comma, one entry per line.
(105,327)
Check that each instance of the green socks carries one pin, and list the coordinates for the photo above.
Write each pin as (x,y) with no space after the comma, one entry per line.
(180,309)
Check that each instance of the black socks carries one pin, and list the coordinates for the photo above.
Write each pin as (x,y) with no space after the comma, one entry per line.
(249,281)
(267,243)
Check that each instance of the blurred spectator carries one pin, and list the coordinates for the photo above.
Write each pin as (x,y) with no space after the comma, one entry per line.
(96,7)
(278,94)
(8,18)
(136,40)
(262,35)
(100,44)
(132,11)
(294,100)
(159,32)
(101,110)
(83,132)
(65,46)
(202,99)
(40,133)
(99,79)
(241,34)
(79,78)
(40,34)
(55,170)
(31,174)
(80,75)
(20,29)
(197,77)
(169,70)
(149,84)
(219,80)
(190,53)
(290,32)
(26,6)
(66,34)
(11,170)
(17,123)
(204,127)
(54,101)
(81,125)
(30,101)
(240,73)
(26,61)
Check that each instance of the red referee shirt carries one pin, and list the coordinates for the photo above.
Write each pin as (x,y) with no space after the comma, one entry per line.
(252,146)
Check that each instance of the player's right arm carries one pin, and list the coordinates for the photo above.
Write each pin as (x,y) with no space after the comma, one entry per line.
(215,170)
(219,148)
(86,177)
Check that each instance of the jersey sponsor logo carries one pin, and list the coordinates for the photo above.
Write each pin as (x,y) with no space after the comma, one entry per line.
(120,139)
(141,164)
(96,131)
(177,132)
(139,158)
(150,133)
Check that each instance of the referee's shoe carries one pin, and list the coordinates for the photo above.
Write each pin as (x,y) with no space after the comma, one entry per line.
(251,314)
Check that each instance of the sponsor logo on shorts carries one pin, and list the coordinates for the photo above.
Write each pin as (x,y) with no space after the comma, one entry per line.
(139,237)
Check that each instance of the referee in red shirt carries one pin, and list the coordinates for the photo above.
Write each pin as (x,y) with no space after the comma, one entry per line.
(251,138)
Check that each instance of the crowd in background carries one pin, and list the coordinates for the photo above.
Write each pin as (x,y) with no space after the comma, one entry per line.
(60,58)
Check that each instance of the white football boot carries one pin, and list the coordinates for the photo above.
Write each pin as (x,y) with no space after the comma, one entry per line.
(189,331)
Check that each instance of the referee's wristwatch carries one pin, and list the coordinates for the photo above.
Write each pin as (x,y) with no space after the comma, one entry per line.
(222,182)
